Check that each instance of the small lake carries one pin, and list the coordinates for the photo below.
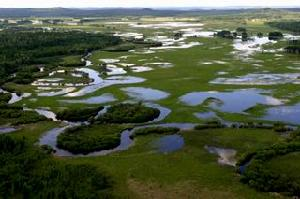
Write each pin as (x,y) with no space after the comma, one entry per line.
(145,94)
(234,102)
(104,98)
(287,114)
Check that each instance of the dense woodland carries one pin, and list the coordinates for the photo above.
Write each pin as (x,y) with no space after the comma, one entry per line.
(22,51)
(28,172)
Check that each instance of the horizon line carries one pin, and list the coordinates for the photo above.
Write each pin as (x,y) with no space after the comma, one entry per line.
(162,7)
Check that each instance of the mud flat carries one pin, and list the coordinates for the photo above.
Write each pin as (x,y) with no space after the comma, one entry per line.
(226,156)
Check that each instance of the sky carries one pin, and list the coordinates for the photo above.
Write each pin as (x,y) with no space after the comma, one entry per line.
(146,3)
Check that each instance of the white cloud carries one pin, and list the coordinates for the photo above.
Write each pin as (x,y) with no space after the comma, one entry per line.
(145,3)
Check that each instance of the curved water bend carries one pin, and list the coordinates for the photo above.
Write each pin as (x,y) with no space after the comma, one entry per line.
(50,138)
(4,130)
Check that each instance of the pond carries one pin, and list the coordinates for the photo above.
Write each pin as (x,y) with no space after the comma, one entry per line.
(145,94)
(114,80)
(104,98)
(236,101)
(287,114)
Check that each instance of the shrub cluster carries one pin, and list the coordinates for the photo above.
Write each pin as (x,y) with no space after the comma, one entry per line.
(258,176)
(129,113)
(155,130)
(81,140)
(210,125)
(82,114)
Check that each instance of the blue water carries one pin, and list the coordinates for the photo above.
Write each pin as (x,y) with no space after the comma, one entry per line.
(236,101)
(169,143)
(288,114)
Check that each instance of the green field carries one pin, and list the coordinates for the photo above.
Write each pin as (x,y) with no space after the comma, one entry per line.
(192,171)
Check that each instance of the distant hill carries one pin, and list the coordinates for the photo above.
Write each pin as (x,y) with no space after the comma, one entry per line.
(105,12)
(93,12)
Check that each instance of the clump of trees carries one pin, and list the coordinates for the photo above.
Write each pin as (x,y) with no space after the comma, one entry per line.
(28,172)
(155,130)
(83,139)
(275,36)
(225,34)
(81,114)
(240,31)
(129,113)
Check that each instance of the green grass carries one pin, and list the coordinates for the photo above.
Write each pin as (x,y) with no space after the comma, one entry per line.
(34,131)
(192,166)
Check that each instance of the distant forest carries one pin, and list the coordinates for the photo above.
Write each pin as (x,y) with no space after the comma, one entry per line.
(293,26)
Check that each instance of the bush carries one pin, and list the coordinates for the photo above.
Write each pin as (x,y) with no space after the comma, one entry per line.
(225,34)
(121,48)
(241,29)
(155,130)
(210,125)
(86,139)
(75,115)
(129,113)
(5,97)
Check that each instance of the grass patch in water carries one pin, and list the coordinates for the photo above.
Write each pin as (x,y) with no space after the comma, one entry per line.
(86,139)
